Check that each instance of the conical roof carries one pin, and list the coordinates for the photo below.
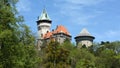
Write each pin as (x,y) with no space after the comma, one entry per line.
(84,32)
(44,16)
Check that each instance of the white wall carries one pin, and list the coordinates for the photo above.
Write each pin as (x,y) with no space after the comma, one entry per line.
(86,42)
(44,27)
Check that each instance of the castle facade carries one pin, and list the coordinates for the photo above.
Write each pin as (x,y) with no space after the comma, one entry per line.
(60,34)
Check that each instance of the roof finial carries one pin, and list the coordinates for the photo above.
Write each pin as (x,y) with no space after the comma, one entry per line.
(44,5)
(44,15)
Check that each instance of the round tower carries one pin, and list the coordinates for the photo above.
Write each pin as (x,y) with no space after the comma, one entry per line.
(43,24)
(84,38)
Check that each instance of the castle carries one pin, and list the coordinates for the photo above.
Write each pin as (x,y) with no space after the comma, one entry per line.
(60,34)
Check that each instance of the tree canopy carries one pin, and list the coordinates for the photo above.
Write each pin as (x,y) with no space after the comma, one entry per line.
(17,44)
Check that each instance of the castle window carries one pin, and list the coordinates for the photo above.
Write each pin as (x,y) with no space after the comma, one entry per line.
(41,35)
(39,28)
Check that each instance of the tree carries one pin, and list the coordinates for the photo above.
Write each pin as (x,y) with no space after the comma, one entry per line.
(116,62)
(83,63)
(82,58)
(16,41)
(107,55)
(68,45)
(56,56)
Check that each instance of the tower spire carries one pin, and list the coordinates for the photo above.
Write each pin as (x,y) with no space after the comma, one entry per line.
(44,15)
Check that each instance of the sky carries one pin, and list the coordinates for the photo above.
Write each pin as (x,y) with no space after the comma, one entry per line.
(100,17)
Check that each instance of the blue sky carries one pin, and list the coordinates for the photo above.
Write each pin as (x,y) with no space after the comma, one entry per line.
(100,17)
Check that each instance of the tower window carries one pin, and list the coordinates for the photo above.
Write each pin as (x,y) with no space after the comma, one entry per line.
(41,35)
(39,28)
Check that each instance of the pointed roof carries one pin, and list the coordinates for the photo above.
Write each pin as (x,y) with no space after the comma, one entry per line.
(84,32)
(44,15)
(61,29)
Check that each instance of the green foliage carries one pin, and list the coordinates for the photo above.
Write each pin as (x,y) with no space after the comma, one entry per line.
(82,58)
(117,61)
(25,35)
(106,59)
(56,56)
(83,63)
(106,55)
(16,41)
(67,45)
(19,56)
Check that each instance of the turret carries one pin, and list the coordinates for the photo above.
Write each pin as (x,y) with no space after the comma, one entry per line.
(84,38)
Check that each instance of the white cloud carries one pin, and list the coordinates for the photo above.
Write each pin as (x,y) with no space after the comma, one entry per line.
(82,19)
(23,5)
(112,33)
(74,9)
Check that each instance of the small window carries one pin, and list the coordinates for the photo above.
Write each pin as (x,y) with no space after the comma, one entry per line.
(39,28)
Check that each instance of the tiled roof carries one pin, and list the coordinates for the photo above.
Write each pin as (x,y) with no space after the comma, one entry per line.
(47,35)
(59,29)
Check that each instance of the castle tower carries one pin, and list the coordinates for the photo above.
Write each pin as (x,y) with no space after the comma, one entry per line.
(84,38)
(43,24)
